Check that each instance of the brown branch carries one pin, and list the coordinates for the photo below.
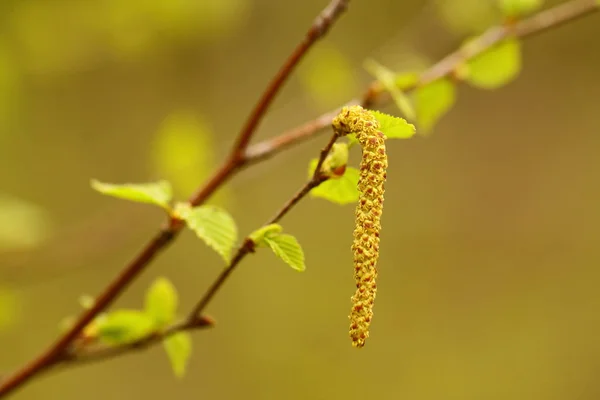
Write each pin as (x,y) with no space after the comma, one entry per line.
(538,23)
(91,354)
(243,155)
(235,161)
(319,28)
(195,318)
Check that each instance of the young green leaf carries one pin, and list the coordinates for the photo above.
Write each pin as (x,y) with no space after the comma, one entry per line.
(288,249)
(211,224)
(342,190)
(335,163)
(496,66)
(433,101)
(179,349)
(158,193)
(124,326)
(388,79)
(352,140)
(161,302)
(394,127)
(260,234)
(519,8)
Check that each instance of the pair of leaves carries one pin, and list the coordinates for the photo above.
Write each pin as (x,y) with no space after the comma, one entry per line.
(428,102)
(342,188)
(130,325)
(212,224)
(124,326)
(490,69)
(388,79)
(283,245)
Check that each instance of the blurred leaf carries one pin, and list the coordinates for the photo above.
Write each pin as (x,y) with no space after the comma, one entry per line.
(342,190)
(327,76)
(179,349)
(433,101)
(211,224)
(23,225)
(407,80)
(288,249)
(183,151)
(388,79)
(86,301)
(394,127)
(161,302)
(496,66)
(259,235)
(124,326)
(467,16)
(158,193)
(519,8)
(8,305)
(216,18)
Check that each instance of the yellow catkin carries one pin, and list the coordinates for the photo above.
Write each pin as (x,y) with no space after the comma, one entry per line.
(365,127)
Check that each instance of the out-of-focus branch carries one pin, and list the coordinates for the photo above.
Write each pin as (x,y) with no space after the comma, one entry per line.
(375,95)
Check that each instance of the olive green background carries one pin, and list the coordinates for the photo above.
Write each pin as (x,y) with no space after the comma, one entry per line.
(489,255)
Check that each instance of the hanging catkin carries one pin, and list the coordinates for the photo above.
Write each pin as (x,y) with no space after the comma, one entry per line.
(363,124)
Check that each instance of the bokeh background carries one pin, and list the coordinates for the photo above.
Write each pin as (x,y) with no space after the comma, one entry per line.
(490,257)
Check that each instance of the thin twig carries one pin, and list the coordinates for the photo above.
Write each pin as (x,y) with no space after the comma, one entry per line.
(195,319)
(235,161)
(248,246)
(319,28)
(374,95)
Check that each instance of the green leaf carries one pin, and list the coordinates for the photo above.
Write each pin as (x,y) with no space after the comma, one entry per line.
(352,140)
(519,8)
(158,193)
(288,249)
(183,150)
(124,326)
(496,66)
(394,127)
(406,80)
(342,190)
(327,76)
(260,234)
(433,101)
(336,160)
(179,349)
(211,224)
(388,79)
(161,302)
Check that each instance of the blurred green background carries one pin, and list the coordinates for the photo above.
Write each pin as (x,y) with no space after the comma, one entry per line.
(490,249)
